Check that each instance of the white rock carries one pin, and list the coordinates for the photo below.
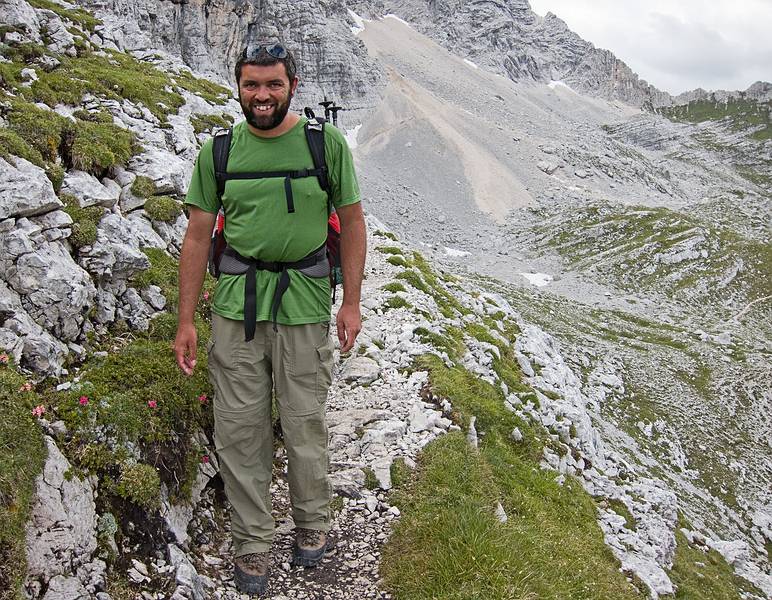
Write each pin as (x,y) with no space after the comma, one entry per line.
(25,190)
(88,190)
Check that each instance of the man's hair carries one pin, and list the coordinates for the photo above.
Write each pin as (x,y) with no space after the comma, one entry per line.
(259,53)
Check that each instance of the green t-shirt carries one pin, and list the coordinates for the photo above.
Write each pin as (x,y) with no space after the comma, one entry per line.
(258,225)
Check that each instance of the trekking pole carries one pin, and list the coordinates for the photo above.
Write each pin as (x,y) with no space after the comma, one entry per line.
(334,110)
(326,104)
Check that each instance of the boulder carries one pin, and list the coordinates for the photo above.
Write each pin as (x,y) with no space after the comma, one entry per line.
(170,173)
(54,290)
(89,190)
(25,190)
(18,13)
(61,532)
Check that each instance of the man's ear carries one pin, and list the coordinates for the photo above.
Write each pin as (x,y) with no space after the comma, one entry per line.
(294,85)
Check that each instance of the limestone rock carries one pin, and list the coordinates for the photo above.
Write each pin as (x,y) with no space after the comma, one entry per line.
(361,369)
(61,533)
(89,190)
(19,13)
(25,190)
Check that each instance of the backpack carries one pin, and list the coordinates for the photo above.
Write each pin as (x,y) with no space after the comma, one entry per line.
(326,261)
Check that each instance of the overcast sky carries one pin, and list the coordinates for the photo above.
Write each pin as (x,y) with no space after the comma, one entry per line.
(678,45)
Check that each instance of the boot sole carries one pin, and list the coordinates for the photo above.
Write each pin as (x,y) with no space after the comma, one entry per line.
(299,560)
(254,585)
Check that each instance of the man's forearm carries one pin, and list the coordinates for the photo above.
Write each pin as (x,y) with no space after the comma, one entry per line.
(353,249)
(193,258)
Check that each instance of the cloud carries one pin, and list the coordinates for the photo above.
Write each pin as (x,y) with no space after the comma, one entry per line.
(678,46)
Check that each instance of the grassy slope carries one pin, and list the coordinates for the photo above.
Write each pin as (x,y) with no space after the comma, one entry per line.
(448,543)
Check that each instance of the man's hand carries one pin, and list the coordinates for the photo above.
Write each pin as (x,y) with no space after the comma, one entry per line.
(185,348)
(349,324)
(193,256)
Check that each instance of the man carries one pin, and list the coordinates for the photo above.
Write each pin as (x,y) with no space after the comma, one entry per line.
(290,355)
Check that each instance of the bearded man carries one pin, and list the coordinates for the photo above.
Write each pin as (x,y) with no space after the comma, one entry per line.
(284,350)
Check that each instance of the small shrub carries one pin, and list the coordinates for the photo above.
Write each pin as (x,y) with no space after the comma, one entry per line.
(394,287)
(386,234)
(12,144)
(371,481)
(83,234)
(100,146)
(397,302)
(140,484)
(397,261)
(163,208)
(202,123)
(414,279)
(143,187)
(41,129)
(389,250)
(211,92)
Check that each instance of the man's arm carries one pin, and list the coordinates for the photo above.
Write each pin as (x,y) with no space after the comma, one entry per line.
(353,248)
(193,258)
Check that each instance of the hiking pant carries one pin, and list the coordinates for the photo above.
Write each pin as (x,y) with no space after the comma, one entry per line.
(295,363)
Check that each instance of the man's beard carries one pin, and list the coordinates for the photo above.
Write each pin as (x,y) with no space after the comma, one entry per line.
(269,121)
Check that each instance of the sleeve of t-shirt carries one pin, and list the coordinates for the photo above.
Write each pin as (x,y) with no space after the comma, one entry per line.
(343,180)
(202,191)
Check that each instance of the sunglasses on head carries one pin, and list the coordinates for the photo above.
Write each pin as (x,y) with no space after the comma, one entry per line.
(253,51)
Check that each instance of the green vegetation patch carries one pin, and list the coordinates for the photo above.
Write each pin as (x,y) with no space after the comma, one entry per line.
(143,187)
(702,574)
(397,302)
(394,287)
(99,146)
(22,454)
(389,250)
(204,123)
(163,208)
(163,272)
(448,543)
(209,91)
(84,221)
(740,113)
(132,416)
(81,17)
(115,77)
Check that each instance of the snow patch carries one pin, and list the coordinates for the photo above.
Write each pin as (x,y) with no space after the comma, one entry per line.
(393,16)
(351,136)
(455,253)
(359,22)
(471,64)
(555,84)
(537,279)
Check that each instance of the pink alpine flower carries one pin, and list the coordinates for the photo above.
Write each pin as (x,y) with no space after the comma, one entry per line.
(203,399)
(4,359)
(206,296)
(152,403)
(25,387)
(38,411)
(205,459)
(83,400)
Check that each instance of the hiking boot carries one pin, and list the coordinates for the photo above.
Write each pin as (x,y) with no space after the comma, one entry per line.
(310,546)
(251,573)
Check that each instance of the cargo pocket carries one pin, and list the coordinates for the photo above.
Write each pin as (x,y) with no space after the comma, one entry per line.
(323,371)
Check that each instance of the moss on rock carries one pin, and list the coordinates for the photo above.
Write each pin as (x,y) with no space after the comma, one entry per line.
(143,187)
(163,208)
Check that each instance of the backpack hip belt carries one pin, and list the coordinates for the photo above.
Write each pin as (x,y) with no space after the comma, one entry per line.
(315,265)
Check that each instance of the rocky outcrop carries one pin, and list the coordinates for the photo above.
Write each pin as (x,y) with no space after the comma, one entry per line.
(510,39)
(210,35)
(61,534)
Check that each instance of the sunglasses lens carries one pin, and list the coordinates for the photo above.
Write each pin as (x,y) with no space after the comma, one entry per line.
(275,50)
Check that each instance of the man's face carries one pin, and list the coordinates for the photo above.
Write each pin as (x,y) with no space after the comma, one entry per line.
(265,93)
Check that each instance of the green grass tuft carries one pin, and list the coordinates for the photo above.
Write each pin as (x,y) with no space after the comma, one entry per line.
(210,123)
(163,208)
(22,454)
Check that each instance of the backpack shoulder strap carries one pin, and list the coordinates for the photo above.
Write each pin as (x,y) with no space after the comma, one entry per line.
(221,148)
(314,129)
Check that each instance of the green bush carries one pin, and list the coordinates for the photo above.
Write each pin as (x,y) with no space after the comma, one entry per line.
(140,484)
(12,144)
(211,92)
(99,146)
(397,302)
(394,287)
(41,129)
(83,234)
(143,187)
(84,221)
(397,261)
(163,208)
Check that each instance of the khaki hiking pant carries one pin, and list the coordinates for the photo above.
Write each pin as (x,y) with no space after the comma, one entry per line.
(295,362)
